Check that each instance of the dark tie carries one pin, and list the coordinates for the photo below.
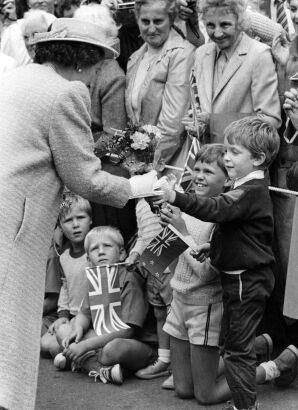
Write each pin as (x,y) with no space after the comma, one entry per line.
(281,16)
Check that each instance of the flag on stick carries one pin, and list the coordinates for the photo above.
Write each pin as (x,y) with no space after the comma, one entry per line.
(163,250)
(186,177)
(195,101)
(104,299)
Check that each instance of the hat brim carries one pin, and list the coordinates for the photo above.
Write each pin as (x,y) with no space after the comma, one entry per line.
(109,52)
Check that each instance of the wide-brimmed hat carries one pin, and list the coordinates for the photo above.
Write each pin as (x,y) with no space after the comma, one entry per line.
(71,29)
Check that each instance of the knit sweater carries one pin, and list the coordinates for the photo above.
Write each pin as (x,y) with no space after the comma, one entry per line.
(243,236)
(148,226)
(196,283)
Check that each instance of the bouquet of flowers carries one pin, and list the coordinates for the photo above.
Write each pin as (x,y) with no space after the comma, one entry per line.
(132,148)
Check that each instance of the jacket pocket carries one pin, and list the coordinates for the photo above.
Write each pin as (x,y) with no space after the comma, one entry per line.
(24,223)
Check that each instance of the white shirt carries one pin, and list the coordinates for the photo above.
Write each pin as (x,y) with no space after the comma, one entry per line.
(258,174)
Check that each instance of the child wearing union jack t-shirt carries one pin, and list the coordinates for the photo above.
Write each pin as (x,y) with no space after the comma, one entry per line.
(91,351)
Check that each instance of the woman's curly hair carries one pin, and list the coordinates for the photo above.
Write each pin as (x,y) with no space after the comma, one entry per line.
(68,54)
(170,6)
(236,7)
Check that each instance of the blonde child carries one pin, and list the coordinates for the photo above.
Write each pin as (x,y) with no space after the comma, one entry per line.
(75,221)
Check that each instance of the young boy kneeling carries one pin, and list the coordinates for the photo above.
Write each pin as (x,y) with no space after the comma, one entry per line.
(241,246)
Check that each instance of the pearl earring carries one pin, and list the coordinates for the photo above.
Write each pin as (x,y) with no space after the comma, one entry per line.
(79,70)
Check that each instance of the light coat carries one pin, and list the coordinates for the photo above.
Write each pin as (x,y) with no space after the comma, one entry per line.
(248,85)
(165,94)
(45,141)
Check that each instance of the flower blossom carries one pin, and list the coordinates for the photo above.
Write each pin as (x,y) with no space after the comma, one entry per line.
(140,141)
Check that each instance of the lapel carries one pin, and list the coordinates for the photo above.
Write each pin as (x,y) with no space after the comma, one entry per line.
(134,63)
(233,65)
(208,72)
(173,41)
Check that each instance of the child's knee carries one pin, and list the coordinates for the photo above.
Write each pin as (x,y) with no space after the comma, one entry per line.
(184,392)
(113,352)
(49,345)
(203,397)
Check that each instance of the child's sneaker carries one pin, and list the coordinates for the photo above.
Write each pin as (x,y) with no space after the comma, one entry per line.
(286,363)
(168,384)
(157,369)
(263,347)
(111,374)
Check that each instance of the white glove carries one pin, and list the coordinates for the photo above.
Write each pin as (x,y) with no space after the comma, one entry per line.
(168,181)
(143,184)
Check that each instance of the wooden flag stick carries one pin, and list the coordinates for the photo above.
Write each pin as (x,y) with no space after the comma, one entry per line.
(175,168)
(282,190)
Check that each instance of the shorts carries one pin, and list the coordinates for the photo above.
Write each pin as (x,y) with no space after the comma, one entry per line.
(199,324)
(159,292)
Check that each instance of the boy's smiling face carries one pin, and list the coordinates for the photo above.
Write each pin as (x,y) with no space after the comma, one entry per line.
(239,161)
(104,250)
(208,179)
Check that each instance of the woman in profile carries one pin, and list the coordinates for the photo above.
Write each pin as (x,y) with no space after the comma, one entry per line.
(45,142)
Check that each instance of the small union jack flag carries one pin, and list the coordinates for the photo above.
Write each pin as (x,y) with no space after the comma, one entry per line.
(186,177)
(163,250)
(104,299)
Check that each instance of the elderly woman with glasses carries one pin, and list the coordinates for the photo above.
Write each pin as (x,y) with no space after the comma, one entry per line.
(235,74)
(157,90)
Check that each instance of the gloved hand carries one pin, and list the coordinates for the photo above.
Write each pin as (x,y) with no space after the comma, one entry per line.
(143,184)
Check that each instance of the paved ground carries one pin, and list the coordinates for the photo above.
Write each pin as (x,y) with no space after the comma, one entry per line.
(70,391)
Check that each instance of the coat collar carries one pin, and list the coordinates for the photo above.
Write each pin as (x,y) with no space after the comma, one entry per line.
(174,41)
(233,65)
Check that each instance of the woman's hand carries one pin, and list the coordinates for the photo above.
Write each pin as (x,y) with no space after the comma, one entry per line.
(203,120)
(172,215)
(291,106)
(186,9)
(143,184)
(202,252)
(188,122)
(281,49)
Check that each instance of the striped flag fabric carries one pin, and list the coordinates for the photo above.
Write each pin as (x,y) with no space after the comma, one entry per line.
(104,299)
(281,16)
(186,177)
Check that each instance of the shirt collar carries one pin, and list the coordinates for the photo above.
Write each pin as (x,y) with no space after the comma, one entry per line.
(258,174)
(230,52)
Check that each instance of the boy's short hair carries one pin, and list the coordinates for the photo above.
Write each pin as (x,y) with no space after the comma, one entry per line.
(255,135)
(72,200)
(99,230)
(210,153)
